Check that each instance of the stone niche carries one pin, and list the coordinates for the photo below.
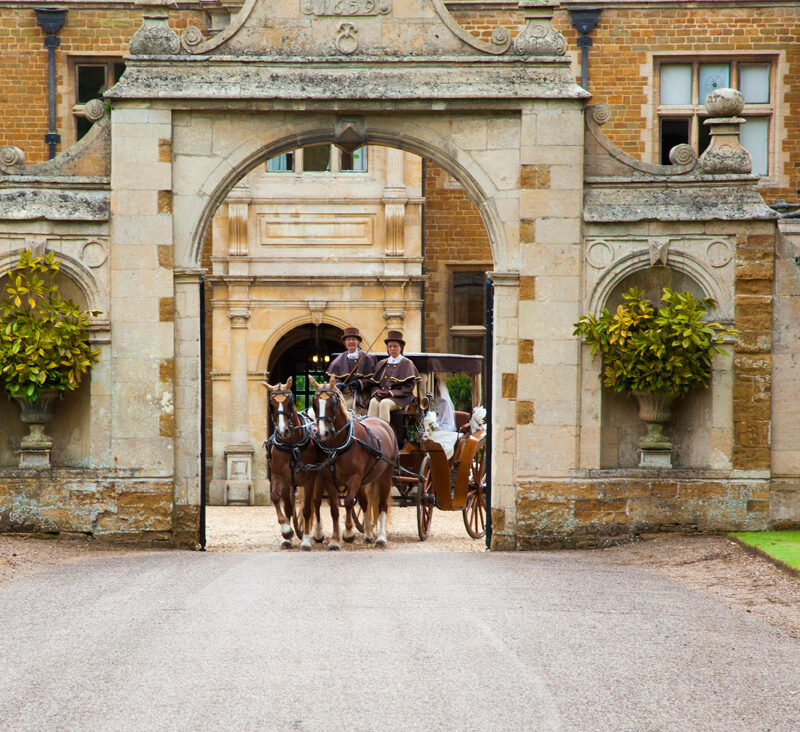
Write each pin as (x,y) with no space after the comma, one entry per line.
(700,425)
(70,429)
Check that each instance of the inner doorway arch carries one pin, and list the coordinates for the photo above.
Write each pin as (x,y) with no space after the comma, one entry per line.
(304,351)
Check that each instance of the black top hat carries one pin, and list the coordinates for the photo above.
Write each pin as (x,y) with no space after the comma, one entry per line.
(395,335)
(351,333)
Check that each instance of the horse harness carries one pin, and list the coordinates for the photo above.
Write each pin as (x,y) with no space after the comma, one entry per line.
(334,452)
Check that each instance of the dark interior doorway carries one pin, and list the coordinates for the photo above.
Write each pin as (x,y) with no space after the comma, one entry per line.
(304,351)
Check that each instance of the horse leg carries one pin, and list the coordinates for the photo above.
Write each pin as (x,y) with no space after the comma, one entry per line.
(367,501)
(349,533)
(308,511)
(333,502)
(383,492)
(283,518)
(318,488)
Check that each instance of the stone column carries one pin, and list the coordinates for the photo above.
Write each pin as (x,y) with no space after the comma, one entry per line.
(186,375)
(503,430)
(239,451)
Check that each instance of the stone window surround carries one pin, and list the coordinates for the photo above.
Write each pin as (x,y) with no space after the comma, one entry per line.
(654,111)
(69,110)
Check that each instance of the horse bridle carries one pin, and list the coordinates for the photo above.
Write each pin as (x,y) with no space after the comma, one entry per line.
(288,400)
(333,396)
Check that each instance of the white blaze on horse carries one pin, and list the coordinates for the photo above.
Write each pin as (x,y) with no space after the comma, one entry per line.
(360,454)
(289,448)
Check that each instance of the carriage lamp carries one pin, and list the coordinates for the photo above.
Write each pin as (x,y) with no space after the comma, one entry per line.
(315,358)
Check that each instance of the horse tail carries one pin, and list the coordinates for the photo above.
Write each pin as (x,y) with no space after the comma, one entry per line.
(373,503)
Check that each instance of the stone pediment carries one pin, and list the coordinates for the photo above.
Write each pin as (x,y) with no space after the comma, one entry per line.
(350,28)
(381,50)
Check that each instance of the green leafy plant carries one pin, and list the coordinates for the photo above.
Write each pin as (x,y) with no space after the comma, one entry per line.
(44,341)
(663,351)
(460,388)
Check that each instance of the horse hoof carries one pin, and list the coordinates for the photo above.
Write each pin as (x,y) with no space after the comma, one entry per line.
(320,540)
(306,547)
(367,540)
(333,547)
(349,539)
(381,543)
(287,534)
(286,544)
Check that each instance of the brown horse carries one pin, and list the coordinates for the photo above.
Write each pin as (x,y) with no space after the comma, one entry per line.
(289,448)
(362,454)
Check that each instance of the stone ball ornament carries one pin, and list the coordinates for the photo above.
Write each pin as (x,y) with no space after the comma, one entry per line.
(725,102)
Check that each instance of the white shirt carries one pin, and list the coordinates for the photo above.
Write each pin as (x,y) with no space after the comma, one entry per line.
(354,356)
(395,361)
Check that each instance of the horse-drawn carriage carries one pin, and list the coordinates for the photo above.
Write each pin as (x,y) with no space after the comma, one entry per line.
(411,462)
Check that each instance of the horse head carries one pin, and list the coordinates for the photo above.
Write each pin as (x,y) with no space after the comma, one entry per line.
(328,404)
(281,406)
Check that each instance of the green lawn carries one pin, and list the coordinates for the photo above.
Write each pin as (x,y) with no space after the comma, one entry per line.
(783,545)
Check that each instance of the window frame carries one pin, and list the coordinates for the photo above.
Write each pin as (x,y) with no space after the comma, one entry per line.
(74,109)
(696,113)
(464,331)
(335,164)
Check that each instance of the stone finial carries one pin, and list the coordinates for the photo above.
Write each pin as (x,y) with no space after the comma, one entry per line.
(725,154)
(155,37)
(539,38)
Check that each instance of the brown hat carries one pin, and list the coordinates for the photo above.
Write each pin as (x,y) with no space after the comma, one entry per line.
(351,333)
(395,335)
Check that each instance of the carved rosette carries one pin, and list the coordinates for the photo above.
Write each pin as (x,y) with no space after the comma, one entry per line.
(155,38)
(726,159)
(540,39)
(10,155)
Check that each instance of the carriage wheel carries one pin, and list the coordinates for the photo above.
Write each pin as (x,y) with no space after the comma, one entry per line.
(296,494)
(425,500)
(475,510)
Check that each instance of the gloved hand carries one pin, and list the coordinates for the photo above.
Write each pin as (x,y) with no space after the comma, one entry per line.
(382,394)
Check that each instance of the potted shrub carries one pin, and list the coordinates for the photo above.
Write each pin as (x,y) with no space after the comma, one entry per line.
(656,354)
(44,343)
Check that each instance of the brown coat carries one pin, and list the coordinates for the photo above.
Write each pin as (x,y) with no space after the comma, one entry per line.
(399,379)
(354,373)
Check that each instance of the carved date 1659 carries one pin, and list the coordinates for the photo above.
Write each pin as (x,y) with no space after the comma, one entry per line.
(347,7)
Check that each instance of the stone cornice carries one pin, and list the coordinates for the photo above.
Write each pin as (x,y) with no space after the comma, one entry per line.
(243,79)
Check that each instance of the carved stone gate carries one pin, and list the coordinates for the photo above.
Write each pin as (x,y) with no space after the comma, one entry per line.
(191,116)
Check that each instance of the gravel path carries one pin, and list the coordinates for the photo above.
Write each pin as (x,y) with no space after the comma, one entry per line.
(255,528)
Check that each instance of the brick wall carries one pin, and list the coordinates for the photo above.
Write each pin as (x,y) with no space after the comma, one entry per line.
(23,65)
(621,64)
(455,236)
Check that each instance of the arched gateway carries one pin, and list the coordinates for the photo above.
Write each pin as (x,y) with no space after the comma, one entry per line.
(505,118)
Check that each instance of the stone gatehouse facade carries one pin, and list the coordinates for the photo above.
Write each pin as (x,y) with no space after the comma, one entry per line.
(481,102)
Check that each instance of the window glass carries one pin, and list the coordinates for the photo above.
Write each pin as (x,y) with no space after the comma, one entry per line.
(317,159)
(82,126)
(755,138)
(281,163)
(91,83)
(468,298)
(703,135)
(355,161)
(469,345)
(119,69)
(676,84)
(754,83)
(713,76)
(674,131)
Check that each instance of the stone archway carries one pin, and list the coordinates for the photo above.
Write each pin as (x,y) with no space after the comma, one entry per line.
(507,126)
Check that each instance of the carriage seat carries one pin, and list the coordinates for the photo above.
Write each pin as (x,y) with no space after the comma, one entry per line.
(462,421)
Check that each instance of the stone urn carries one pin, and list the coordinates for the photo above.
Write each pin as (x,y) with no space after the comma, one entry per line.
(655,411)
(36,445)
